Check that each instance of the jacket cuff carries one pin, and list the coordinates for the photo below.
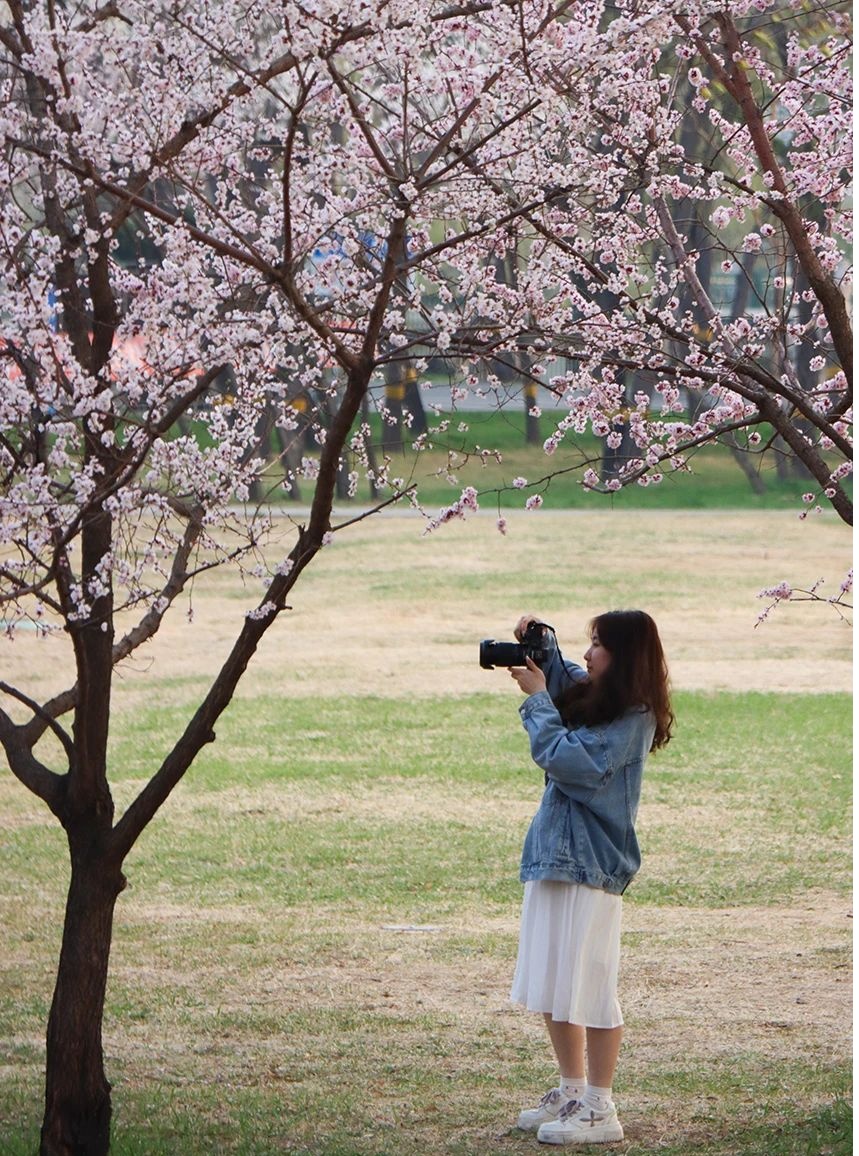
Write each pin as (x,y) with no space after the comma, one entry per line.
(533,703)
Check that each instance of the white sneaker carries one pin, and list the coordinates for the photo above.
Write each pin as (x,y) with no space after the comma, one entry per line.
(582,1125)
(549,1108)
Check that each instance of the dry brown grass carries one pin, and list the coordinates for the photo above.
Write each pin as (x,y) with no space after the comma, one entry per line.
(388,612)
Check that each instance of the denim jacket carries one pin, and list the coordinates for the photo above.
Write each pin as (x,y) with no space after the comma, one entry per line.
(584,830)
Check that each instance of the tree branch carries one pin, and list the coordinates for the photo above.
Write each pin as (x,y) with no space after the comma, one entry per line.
(35,776)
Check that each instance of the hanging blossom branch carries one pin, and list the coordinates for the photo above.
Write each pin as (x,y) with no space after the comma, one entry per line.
(784,592)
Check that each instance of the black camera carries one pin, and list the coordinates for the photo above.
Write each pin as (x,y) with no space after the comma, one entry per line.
(532,646)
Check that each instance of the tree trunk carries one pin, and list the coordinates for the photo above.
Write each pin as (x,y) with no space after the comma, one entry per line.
(532,421)
(414,404)
(392,421)
(370,451)
(77,1093)
(613,460)
(752,476)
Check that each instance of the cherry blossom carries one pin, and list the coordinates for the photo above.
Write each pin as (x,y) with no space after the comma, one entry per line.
(226,232)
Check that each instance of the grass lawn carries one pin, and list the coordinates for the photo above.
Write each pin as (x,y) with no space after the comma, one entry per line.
(314,952)
(315,948)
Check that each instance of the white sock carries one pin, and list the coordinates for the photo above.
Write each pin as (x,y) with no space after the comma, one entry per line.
(597,1098)
(573,1087)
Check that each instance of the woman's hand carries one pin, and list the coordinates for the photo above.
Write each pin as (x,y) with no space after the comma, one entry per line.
(530,677)
(522,625)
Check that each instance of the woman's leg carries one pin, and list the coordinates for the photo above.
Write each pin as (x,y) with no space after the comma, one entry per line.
(568,1042)
(594,1119)
(603,1050)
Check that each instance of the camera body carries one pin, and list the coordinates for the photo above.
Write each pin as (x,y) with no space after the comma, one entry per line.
(533,646)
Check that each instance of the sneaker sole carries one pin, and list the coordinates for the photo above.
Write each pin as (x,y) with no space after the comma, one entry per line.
(608,1135)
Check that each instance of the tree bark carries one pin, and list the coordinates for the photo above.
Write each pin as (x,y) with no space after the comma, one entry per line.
(751,474)
(414,404)
(77,1093)
(532,421)
(392,422)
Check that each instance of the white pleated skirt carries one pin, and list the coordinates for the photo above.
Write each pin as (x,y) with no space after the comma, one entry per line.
(569,953)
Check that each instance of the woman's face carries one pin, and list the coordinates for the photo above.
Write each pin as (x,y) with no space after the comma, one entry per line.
(597,658)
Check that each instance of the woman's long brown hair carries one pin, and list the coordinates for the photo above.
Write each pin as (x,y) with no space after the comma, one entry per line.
(637,676)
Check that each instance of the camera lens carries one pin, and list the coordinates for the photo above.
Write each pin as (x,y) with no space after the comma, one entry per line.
(494,654)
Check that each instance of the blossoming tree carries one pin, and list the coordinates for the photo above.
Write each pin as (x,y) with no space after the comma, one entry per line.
(222,220)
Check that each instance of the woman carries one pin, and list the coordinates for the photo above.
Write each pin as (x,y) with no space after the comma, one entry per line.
(590,732)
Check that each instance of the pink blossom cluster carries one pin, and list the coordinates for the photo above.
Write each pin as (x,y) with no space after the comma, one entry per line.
(225,235)
(467,501)
(784,592)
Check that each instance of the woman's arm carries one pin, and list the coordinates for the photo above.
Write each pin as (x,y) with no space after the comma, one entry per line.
(584,760)
(580,758)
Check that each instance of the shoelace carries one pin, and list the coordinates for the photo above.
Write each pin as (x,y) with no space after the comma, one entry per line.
(551,1097)
(571,1108)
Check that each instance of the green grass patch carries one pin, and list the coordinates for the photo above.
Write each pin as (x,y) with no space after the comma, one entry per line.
(713,479)
(314,950)
(748,804)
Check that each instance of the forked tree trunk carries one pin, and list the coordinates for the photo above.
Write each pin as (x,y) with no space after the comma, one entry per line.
(77,1093)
